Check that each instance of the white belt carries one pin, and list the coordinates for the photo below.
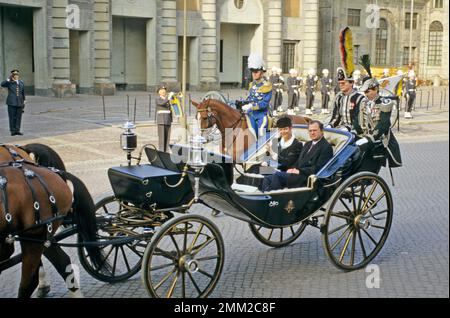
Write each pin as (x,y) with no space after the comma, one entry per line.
(411,90)
(163,111)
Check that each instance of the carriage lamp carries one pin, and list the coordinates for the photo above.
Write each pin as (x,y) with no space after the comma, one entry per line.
(128,139)
(196,159)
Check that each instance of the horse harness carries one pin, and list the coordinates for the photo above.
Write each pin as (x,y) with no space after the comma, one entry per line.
(29,175)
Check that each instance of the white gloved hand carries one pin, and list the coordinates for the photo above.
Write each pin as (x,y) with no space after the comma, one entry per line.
(328,126)
(314,94)
(170,96)
(362,141)
(247,107)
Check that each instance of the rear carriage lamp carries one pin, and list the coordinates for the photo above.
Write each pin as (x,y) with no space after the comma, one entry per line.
(196,159)
(128,139)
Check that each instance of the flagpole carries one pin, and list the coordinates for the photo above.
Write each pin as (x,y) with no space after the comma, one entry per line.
(411,32)
(183,80)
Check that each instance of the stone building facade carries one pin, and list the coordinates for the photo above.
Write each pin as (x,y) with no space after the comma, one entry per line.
(99,46)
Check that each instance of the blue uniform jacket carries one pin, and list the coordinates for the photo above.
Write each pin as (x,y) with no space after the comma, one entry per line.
(260,94)
(16,93)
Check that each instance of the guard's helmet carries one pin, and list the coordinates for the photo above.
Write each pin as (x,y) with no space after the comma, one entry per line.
(325,71)
(279,71)
(369,83)
(274,69)
(311,72)
(343,76)
(293,72)
(256,62)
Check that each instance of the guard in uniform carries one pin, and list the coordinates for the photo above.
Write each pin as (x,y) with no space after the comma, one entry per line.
(293,84)
(164,117)
(410,93)
(311,84)
(375,120)
(15,101)
(358,79)
(277,88)
(325,89)
(347,103)
(257,104)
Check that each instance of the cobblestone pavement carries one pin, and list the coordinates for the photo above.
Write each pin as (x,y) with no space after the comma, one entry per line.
(414,261)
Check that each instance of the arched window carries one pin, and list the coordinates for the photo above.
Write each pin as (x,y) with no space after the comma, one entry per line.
(381,44)
(435,44)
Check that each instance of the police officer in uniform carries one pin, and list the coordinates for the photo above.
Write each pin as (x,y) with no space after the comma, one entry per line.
(293,84)
(257,103)
(15,101)
(325,89)
(164,117)
(311,83)
(375,120)
(410,93)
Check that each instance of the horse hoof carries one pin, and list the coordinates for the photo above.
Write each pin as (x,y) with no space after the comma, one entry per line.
(215,213)
(43,291)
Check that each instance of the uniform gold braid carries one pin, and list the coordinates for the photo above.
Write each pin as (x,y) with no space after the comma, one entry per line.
(266,88)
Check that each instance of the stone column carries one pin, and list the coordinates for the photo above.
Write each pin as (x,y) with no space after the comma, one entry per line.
(152,67)
(61,59)
(102,48)
(42,65)
(167,43)
(274,42)
(209,71)
(311,37)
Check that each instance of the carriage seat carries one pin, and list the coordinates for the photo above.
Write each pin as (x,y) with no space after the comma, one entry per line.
(336,140)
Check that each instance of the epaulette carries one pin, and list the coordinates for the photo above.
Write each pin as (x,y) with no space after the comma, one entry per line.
(265,88)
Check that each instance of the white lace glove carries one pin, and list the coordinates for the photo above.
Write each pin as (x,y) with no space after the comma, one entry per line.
(247,107)
(170,96)
(362,141)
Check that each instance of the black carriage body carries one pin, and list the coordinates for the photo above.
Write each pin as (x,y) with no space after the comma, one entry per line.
(145,185)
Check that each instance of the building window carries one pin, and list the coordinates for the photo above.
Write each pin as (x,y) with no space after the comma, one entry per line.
(191,5)
(292,8)
(381,43)
(239,4)
(221,56)
(354,17)
(438,4)
(406,55)
(288,56)
(435,44)
(356,54)
(408,21)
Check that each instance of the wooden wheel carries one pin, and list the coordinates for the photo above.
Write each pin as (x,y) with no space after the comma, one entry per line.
(184,259)
(120,261)
(277,237)
(357,221)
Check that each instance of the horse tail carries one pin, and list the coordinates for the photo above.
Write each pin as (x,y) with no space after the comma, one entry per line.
(84,216)
(45,156)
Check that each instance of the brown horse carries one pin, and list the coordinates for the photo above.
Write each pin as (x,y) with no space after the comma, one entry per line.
(18,193)
(232,124)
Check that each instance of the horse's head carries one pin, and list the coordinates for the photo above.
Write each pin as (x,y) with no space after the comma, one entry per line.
(206,116)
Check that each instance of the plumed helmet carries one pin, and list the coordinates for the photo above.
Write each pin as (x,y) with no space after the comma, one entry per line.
(293,71)
(279,71)
(342,75)
(274,69)
(256,62)
(311,72)
(369,83)
(284,122)
(325,71)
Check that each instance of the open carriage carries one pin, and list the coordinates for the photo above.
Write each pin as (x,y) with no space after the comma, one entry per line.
(183,255)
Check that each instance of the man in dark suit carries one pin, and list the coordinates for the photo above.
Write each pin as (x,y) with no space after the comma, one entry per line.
(163,117)
(15,101)
(315,154)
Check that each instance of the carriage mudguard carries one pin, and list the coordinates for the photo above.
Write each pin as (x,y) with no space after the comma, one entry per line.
(146,185)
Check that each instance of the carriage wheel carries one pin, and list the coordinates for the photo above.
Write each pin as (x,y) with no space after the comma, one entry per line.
(357,221)
(119,262)
(277,237)
(184,259)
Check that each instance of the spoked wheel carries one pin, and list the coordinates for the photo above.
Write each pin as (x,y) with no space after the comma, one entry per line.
(184,259)
(277,237)
(357,221)
(120,261)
